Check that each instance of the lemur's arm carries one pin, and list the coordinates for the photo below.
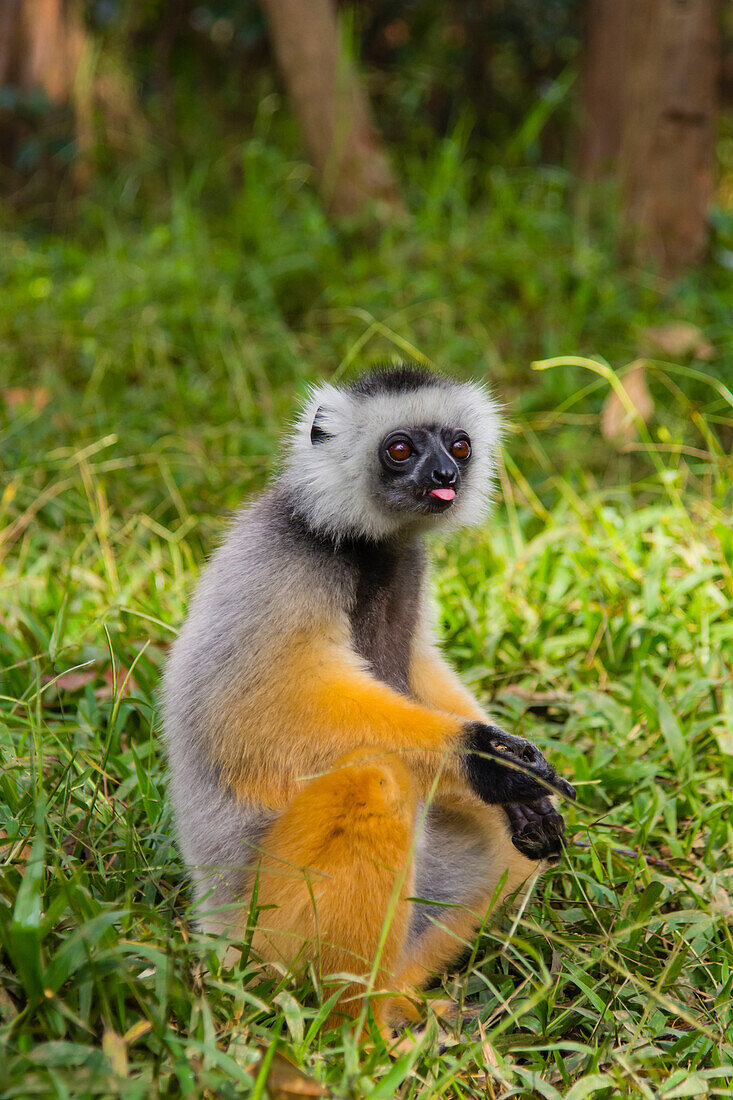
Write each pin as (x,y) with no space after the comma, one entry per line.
(435,684)
(318,702)
(536,830)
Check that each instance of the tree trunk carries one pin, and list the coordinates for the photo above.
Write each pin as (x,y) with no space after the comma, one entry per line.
(668,139)
(342,140)
(41,46)
(42,43)
(603,84)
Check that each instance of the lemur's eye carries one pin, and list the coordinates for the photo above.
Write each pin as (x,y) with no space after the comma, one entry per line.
(399,450)
(461,449)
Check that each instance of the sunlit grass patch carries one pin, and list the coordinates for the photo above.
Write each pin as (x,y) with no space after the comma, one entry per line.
(600,627)
(151,374)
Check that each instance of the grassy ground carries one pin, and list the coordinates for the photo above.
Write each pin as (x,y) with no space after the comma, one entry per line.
(147,370)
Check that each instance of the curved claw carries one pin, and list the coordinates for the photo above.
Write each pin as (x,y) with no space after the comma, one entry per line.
(565,789)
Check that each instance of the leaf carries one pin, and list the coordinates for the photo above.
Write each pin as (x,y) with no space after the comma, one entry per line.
(27,912)
(489,1058)
(142,1027)
(285,1079)
(678,340)
(389,1084)
(724,732)
(293,1014)
(671,731)
(683,1083)
(72,681)
(617,423)
(587,1085)
(17,396)
(25,929)
(8,1007)
(75,951)
(115,1049)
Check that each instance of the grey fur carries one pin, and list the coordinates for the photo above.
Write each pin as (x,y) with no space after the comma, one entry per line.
(450,866)
(318,543)
(255,585)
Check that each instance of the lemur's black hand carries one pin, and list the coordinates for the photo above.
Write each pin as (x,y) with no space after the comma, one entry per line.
(502,768)
(537,831)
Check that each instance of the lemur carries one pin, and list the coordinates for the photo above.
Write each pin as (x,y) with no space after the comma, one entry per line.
(321,749)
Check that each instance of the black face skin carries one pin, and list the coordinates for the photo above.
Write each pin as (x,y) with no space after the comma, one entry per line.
(416,461)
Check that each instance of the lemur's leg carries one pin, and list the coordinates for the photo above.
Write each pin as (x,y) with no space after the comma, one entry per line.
(335,874)
(470,866)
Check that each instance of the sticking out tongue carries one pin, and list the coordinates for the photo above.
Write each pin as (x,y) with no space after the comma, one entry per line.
(443,494)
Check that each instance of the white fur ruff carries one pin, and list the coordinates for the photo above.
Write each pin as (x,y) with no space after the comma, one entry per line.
(336,480)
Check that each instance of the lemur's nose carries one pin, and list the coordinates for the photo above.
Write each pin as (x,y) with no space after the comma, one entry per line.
(445,476)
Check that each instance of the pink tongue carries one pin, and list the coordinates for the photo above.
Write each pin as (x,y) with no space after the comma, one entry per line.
(443,494)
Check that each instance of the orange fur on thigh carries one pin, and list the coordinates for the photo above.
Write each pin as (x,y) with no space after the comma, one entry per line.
(336,868)
(335,875)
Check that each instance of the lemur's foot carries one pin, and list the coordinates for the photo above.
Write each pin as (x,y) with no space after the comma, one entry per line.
(538,830)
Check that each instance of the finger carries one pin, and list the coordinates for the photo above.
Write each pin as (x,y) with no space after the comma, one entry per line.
(565,789)
(548,777)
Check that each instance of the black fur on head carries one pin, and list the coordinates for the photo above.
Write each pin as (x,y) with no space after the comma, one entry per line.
(401,378)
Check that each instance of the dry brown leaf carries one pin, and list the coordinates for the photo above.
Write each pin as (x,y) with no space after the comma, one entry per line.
(488,1052)
(16,396)
(489,1056)
(72,681)
(286,1080)
(125,683)
(142,1027)
(8,851)
(678,340)
(617,425)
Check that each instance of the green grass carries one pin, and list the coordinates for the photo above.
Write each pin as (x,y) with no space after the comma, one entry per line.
(593,614)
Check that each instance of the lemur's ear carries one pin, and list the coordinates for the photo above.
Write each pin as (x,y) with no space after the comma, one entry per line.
(318,432)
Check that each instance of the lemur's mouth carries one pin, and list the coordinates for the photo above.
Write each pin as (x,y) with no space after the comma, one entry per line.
(443,494)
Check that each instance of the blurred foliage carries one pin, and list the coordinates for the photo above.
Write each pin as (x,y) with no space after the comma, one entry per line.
(200,71)
(434,63)
(429,61)
(177,84)
(235,258)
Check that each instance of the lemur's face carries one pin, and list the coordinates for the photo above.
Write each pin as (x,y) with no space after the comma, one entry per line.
(422,469)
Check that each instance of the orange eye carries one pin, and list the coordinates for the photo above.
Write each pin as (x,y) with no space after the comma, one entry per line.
(461,449)
(399,450)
